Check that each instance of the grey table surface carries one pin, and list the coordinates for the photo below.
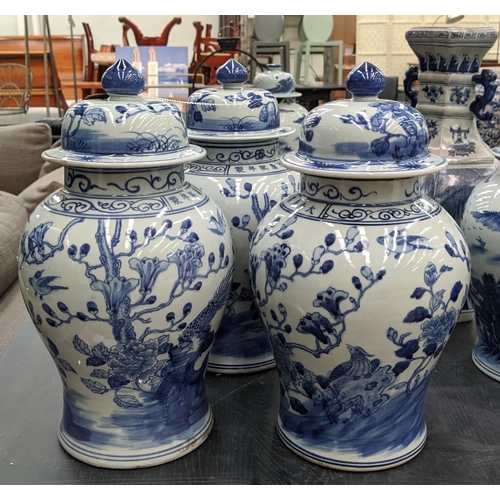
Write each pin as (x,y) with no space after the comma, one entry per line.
(462,414)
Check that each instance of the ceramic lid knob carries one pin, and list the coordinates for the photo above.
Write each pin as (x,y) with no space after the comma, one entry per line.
(122,78)
(231,73)
(365,80)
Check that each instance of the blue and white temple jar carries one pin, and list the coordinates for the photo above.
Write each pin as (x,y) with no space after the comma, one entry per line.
(359,279)
(125,272)
(239,127)
(481,226)
(292,114)
(449,61)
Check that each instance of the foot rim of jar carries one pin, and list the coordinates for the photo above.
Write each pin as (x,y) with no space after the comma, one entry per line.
(108,461)
(352,466)
(486,368)
(244,368)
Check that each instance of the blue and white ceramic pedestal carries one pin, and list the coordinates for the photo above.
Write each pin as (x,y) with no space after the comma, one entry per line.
(125,273)
(359,280)
(246,180)
(449,64)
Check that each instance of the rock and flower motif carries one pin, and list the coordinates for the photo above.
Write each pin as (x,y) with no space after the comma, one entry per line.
(125,303)
(245,191)
(151,335)
(352,381)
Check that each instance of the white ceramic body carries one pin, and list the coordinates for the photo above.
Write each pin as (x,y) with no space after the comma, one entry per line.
(245,179)
(292,114)
(359,284)
(125,273)
(481,226)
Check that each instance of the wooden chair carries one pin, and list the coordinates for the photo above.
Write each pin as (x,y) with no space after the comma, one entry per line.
(94,71)
(205,46)
(15,88)
(140,39)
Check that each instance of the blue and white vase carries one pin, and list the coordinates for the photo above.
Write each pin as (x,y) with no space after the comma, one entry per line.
(481,226)
(292,114)
(359,279)
(449,64)
(239,127)
(125,272)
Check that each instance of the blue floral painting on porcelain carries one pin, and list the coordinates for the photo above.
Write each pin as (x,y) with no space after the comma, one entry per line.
(359,279)
(125,273)
(241,172)
(449,72)
(481,226)
(489,130)
(292,114)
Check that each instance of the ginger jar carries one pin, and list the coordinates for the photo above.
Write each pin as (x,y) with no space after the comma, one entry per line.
(239,127)
(125,272)
(359,279)
(481,226)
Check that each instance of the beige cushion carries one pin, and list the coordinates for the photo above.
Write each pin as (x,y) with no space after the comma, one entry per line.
(41,188)
(21,147)
(13,217)
(49,166)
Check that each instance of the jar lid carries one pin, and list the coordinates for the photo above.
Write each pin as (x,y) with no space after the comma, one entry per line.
(122,127)
(280,83)
(234,112)
(364,137)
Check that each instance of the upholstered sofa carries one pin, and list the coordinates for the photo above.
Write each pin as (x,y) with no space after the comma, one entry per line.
(25,180)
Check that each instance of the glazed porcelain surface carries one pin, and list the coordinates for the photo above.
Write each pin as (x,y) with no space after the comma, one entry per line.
(481,226)
(125,272)
(449,65)
(359,279)
(292,114)
(245,178)
(489,130)
(235,110)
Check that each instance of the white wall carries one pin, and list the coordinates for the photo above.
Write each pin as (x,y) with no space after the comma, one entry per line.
(9,25)
(107,30)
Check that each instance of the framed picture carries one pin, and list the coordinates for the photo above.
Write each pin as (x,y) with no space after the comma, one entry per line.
(165,69)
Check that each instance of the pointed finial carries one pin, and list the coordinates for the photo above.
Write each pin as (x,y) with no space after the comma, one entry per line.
(366,80)
(232,72)
(122,78)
